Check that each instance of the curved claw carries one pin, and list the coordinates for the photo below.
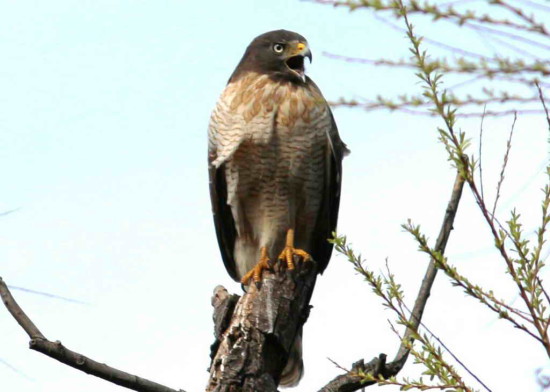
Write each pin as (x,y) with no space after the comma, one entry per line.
(256,273)
(288,254)
(290,251)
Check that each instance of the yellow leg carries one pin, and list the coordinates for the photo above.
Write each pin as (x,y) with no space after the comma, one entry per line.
(256,272)
(289,251)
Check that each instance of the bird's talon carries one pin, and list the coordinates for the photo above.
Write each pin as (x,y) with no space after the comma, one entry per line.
(291,256)
(256,273)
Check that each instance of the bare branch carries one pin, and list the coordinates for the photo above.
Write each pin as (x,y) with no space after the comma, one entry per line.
(76,301)
(533,4)
(512,36)
(453,49)
(4,213)
(520,14)
(427,282)
(78,361)
(505,42)
(24,321)
(539,281)
(338,365)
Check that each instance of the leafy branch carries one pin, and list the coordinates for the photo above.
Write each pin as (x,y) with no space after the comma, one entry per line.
(447,12)
(523,269)
(377,370)
(525,32)
(406,101)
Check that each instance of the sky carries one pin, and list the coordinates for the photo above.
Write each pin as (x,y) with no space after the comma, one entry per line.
(104,107)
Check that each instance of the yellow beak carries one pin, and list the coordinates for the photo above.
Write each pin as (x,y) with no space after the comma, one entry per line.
(299,48)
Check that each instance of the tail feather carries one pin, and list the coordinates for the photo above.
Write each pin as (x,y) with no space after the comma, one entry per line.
(294,368)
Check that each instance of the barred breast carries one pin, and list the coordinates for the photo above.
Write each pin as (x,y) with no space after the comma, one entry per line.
(272,138)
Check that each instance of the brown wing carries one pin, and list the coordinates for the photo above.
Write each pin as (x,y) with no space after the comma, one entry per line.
(328,214)
(223,218)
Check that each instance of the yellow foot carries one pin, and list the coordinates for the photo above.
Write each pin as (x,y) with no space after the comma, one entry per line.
(288,254)
(256,272)
(290,251)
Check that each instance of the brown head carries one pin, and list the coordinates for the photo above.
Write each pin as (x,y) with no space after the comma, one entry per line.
(279,54)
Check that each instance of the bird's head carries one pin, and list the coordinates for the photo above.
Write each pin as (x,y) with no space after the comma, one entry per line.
(278,53)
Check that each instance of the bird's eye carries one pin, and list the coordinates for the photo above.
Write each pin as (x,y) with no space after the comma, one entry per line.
(278,48)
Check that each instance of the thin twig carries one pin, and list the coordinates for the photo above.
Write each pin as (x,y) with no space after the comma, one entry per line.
(503,169)
(78,361)
(541,7)
(76,301)
(450,3)
(15,370)
(425,8)
(466,82)
(507,44)
(452,354)
(520,14)
(486,299)
(4,213)
(509,263)
(338,365)
(453,49)
(506,34)
(480,151)
(543,101)
(539,281)
(545,293)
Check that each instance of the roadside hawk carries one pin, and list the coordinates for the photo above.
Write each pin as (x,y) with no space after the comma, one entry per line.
(275,165)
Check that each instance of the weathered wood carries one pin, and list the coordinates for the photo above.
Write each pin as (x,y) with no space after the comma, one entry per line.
(224,305)
(353,380)
(253,349)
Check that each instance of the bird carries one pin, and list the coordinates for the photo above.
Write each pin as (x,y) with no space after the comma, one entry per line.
(275,167)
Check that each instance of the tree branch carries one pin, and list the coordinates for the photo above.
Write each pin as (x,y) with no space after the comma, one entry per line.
(355,379)
(255,333)
(431,272)
(78,361)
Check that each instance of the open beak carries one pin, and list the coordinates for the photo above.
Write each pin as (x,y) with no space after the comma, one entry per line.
(297,52)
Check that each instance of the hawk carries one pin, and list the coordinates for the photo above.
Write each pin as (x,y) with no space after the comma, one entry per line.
(275,166)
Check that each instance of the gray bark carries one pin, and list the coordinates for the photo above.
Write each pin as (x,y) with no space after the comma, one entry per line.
(254,333)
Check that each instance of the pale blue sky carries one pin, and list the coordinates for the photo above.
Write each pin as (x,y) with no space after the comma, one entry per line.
(103,113)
